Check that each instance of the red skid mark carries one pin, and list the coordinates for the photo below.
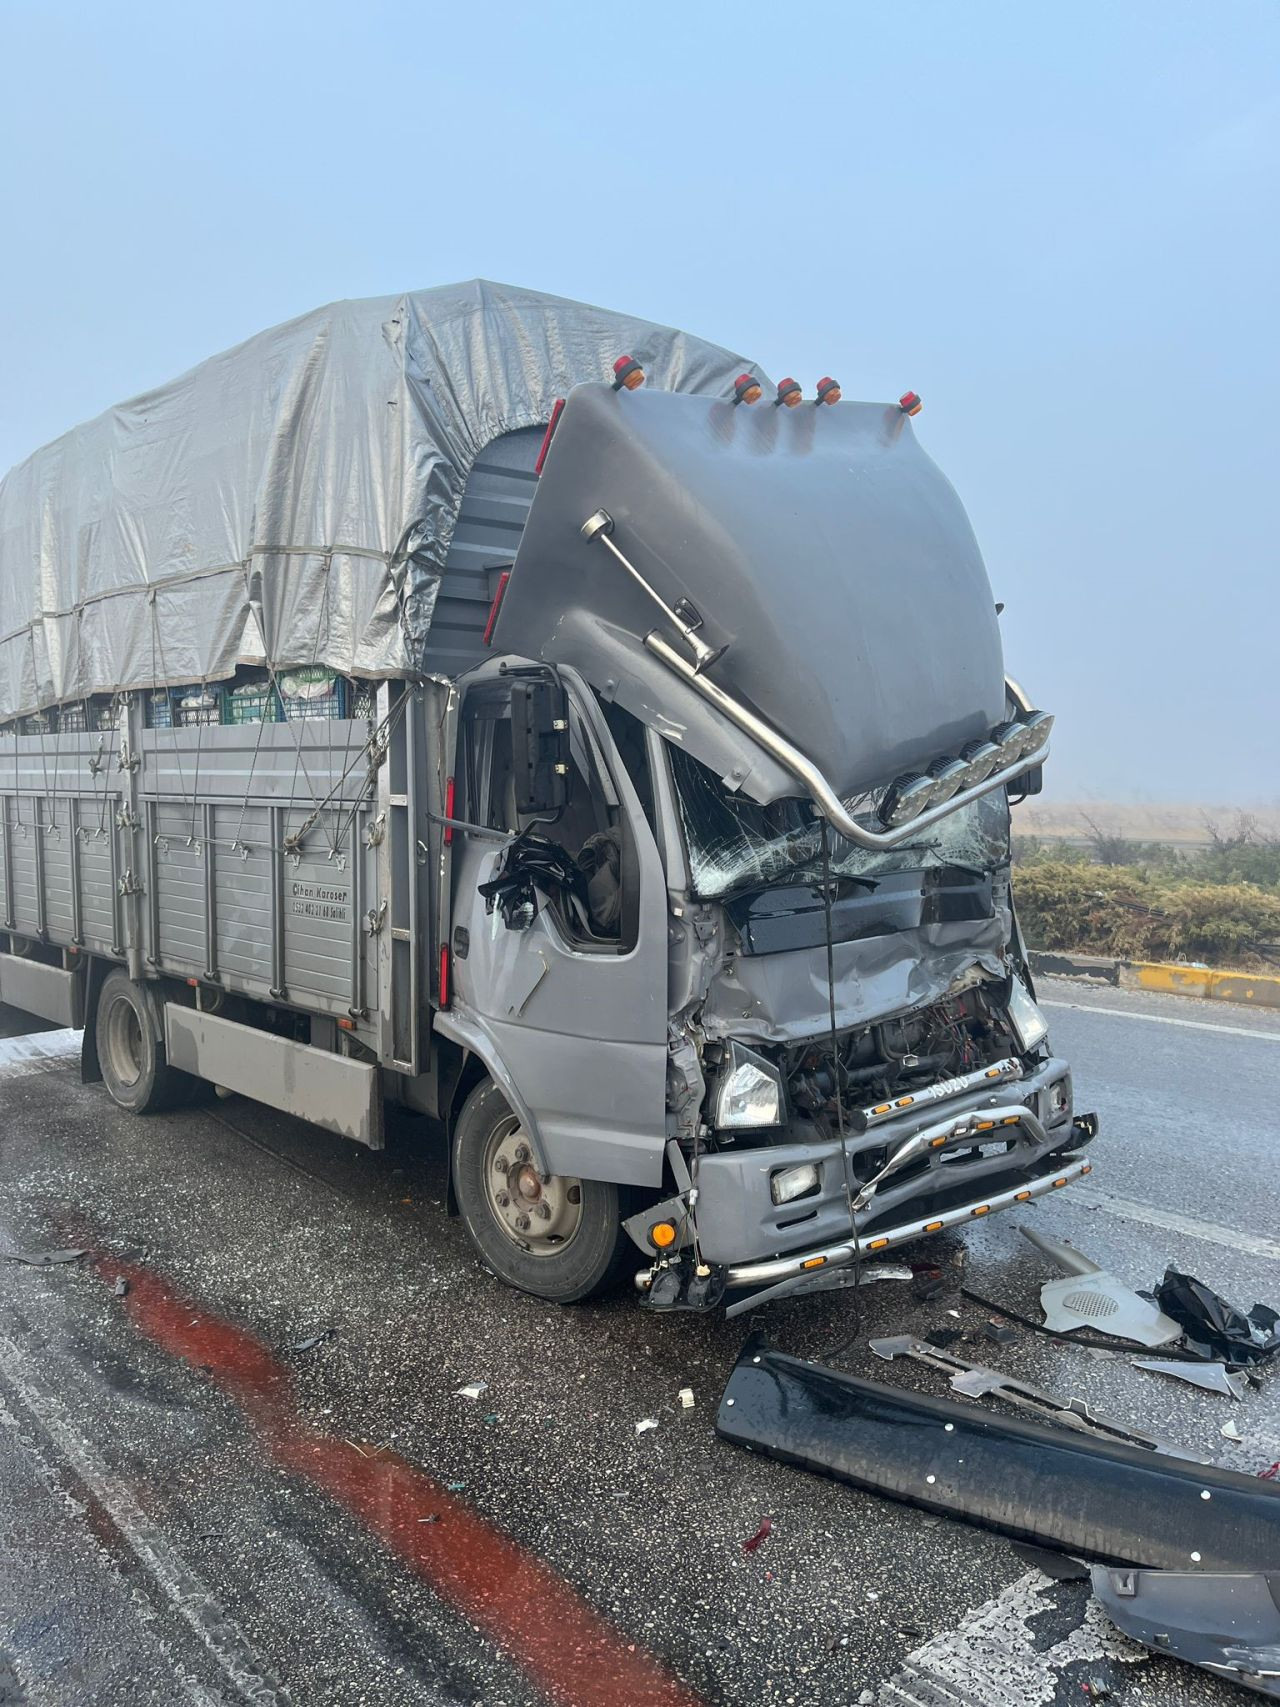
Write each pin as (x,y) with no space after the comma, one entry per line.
(564,1646)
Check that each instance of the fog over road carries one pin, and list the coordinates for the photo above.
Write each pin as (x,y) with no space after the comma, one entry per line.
(199,1505)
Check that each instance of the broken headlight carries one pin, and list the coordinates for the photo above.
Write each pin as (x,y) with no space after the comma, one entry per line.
(1030,1027)
(750,1090)
(786,1184)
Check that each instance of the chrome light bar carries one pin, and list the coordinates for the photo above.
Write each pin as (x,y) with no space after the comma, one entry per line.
(931,806)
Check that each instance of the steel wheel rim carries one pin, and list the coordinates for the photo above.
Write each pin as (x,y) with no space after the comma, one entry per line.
(541,1214)
(124,1042)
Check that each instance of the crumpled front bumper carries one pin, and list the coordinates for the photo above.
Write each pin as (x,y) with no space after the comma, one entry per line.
(740,1226)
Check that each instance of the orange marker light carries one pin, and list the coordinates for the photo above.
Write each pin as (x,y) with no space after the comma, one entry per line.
(909,403)
(746,389)
(628,375)
(828,390)
(789,394)
(663,1234)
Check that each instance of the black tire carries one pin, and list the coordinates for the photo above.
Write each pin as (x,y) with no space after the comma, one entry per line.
(133,1064)
(564,1268)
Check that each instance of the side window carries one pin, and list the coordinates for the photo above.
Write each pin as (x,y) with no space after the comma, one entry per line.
(591,829)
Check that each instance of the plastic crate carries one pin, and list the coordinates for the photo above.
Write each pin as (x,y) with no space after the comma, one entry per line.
(160,709)
(107,717)
(198,707)
(363,700)
(251,702)
(313,693)
(39,723)
(73,719)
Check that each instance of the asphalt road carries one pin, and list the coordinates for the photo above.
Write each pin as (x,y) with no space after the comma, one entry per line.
(199,1505)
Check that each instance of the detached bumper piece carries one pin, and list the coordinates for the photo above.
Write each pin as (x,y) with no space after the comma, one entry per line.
(1229,1624)
(1051,1487)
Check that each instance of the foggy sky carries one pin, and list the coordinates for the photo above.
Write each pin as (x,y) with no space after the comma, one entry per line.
(1057,223)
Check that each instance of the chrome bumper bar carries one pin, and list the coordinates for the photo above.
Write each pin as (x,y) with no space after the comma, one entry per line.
(840,1255)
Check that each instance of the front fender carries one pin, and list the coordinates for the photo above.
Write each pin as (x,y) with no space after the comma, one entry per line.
(461,1025)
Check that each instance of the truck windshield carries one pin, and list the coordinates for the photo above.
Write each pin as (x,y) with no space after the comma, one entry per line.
(737,845)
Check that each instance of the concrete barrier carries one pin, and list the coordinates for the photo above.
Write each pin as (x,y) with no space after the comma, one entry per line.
(1259,990)
(1170,978)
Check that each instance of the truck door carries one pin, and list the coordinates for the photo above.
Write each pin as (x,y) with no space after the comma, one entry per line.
(573,1003)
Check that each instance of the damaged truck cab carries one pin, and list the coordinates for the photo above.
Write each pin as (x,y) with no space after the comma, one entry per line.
(394,710)
(727,874)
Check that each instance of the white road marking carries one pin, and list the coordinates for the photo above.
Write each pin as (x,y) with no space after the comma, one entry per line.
(1166,1019)
(991,1660)
(174,1579)
(1126,1209)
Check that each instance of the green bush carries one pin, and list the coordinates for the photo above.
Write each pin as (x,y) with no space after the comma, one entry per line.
(1141,915)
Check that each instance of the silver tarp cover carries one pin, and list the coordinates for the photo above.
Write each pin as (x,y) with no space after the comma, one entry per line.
(292,499)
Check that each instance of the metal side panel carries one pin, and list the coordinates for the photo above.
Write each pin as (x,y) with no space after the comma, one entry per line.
(342,1095)
(25,837)
(494,508)
(45,990)
(319,915)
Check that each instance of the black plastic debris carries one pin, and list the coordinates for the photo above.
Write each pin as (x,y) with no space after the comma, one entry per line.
(1227,1623)
(1060,1567)
(1000,1332)
(531,863)
(1030,1481)
(39,1259)
(929,1282)
(1215,1329)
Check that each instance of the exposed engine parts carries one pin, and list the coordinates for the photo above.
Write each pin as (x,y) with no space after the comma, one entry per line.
(885,1060)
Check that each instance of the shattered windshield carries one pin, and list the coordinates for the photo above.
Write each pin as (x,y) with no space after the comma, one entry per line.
(735,844)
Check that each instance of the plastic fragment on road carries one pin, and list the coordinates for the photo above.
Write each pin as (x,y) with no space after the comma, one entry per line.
(472,1390)
(40,1259)
(645,1424)
(761,1535)
(312,1340)
(1212,1377)
(121,1287)
(1228,1624)
(1215,1329)
(1229,1431)
(685,1396)
(1090,1297)
(455,1487)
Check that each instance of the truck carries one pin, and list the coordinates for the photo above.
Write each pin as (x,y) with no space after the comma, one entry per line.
(486,703)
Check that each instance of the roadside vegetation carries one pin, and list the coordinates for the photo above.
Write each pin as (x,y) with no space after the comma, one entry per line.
(1218,904)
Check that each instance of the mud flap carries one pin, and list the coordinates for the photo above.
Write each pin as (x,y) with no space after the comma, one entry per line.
(1027,1480)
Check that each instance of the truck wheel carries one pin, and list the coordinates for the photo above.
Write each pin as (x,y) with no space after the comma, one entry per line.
(555,1237)
(134,1069)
